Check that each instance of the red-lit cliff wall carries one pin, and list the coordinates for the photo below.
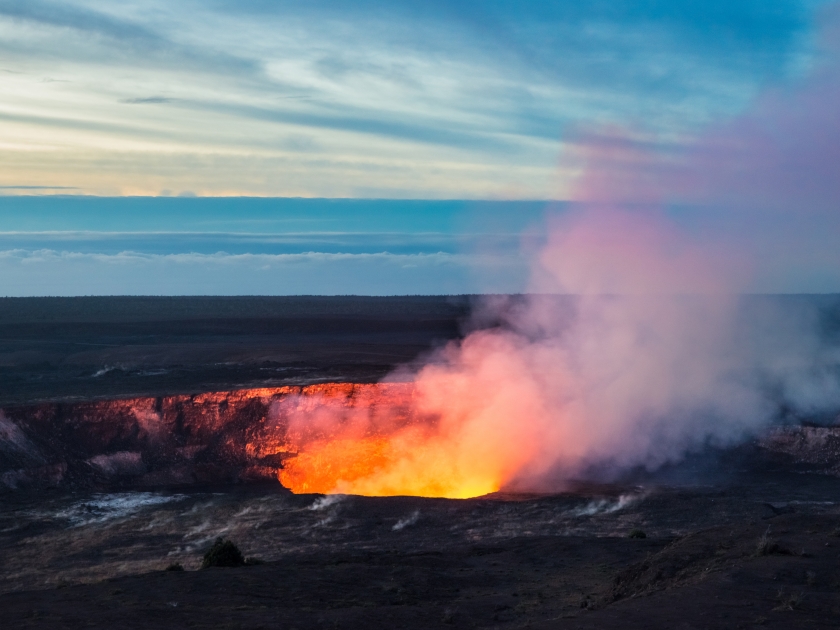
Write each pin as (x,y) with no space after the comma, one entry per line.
(219,437)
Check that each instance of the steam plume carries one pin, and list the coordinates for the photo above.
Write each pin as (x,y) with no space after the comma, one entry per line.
(637,350)
(652,353)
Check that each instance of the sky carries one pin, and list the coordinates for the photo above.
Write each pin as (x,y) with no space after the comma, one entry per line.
(281,147)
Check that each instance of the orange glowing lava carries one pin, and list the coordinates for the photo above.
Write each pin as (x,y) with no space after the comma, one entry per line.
(374,440)
(324,465)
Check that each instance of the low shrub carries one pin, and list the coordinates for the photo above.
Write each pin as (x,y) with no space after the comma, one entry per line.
(636,533)
(175,566)
(223,553)
(767,546)
(789,601)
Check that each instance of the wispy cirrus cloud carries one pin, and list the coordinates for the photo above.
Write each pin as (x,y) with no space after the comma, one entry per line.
(398,99)
(82,31)
(147,100)
(50,188)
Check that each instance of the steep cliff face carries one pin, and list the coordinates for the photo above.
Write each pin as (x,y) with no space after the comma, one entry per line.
(816,447)
(220,437)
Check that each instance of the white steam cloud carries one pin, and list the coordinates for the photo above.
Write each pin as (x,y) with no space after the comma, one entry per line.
(654,356)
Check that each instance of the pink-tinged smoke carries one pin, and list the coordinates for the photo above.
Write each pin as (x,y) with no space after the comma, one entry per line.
(763,184)
(634,349)
(636,354)
(634,346)
(635,367)
(635,357)
(780,155)
(656,354)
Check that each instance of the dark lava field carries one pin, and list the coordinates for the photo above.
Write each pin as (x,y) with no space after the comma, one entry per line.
(65,349)
(747,537)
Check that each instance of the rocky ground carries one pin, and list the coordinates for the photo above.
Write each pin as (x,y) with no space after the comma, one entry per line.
(761,550)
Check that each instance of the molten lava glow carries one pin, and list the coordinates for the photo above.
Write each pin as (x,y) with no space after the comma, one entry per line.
(460,430)
(382,466)
(324,464)
(380,440)
(405,463)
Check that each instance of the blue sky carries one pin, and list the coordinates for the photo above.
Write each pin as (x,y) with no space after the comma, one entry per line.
(108,108)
